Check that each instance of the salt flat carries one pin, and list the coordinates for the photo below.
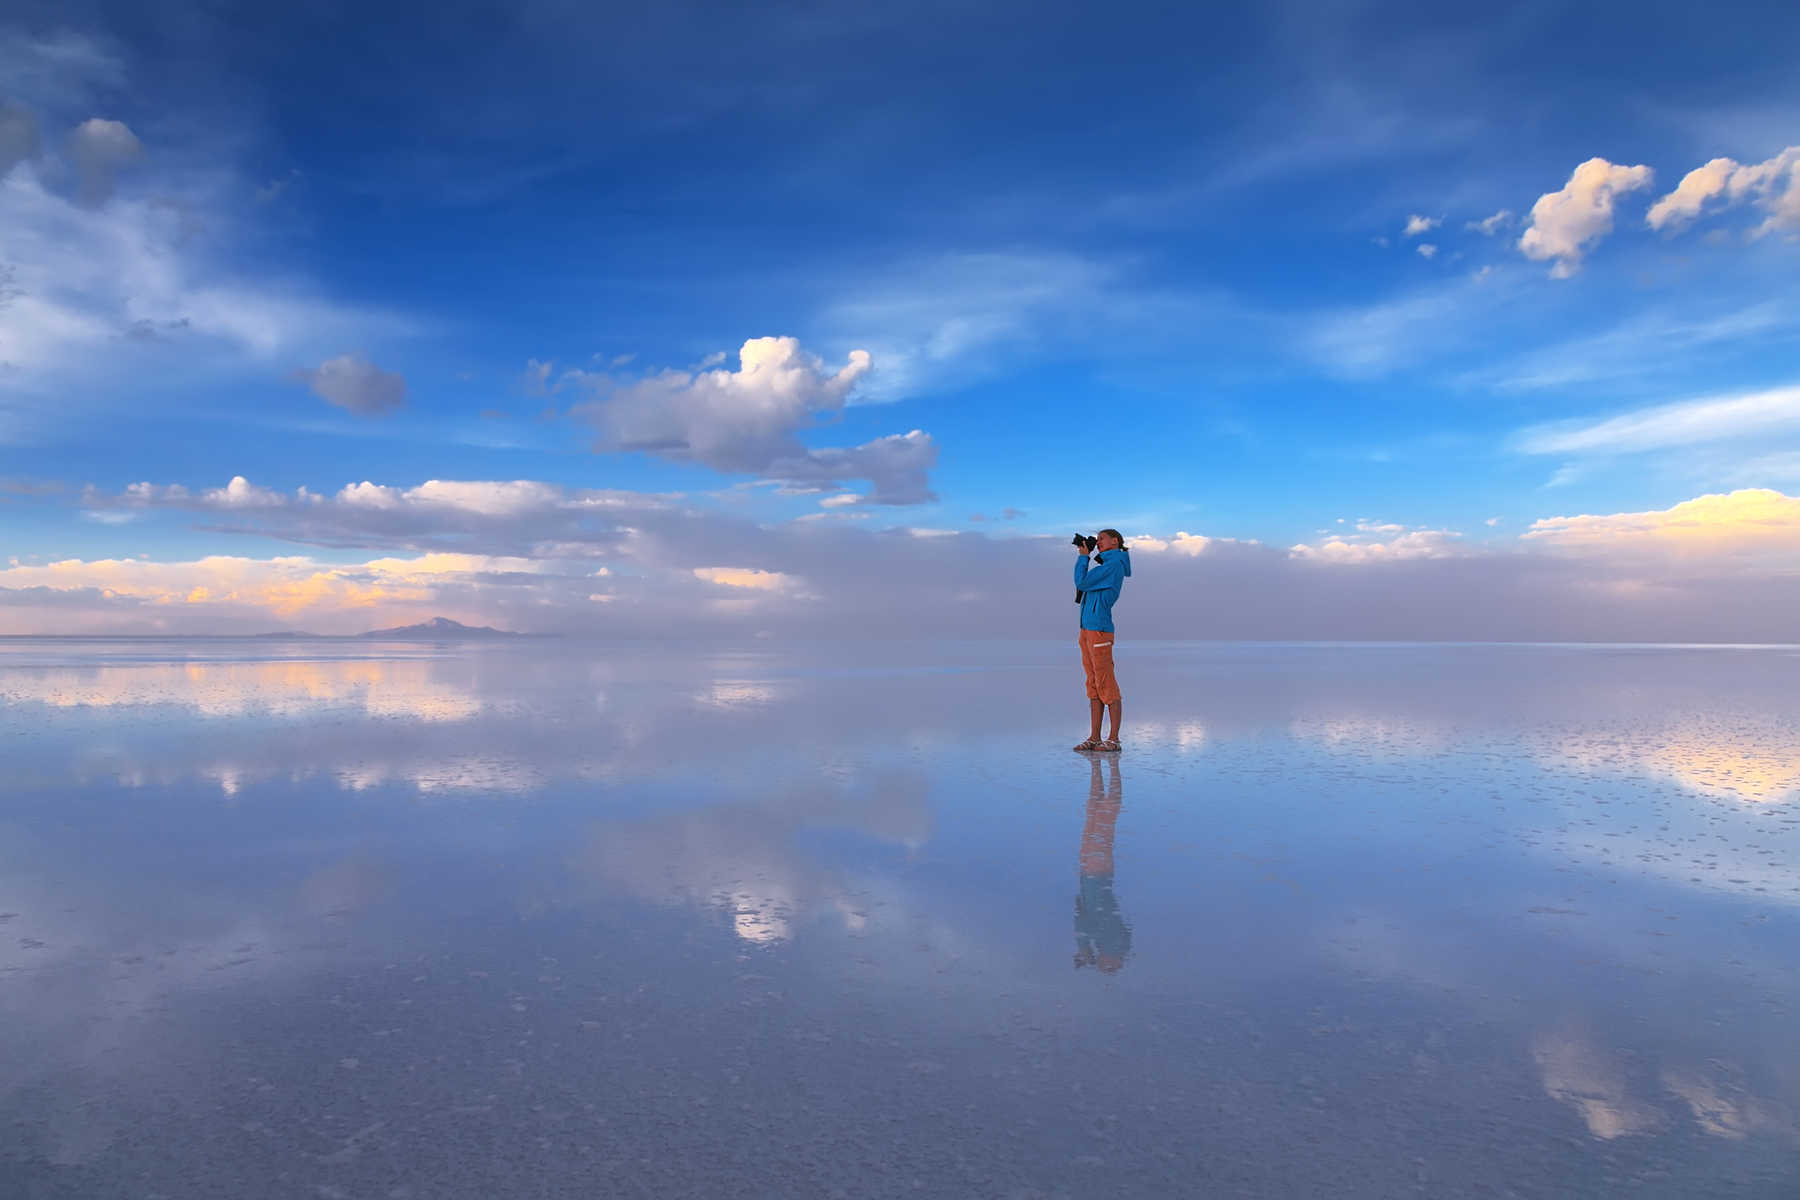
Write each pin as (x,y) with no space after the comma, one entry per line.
(556,918)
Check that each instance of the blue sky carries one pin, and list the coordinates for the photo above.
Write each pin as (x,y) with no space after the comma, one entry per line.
(1032,267)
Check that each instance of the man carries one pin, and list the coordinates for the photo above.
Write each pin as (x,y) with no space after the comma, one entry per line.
(1098,584)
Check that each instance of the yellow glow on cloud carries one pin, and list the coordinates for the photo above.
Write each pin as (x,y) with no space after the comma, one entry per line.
(284,587)
(743,577)
(1748,519)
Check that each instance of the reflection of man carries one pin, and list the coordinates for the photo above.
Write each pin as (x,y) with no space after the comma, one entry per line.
(1102,938)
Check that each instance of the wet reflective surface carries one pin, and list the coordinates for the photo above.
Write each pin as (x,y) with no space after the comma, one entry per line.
(340,919)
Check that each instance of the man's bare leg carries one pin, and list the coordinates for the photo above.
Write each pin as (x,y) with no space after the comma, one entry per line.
(1113,708)
(1095,708)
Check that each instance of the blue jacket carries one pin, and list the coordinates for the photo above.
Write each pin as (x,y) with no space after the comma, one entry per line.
(1099,585)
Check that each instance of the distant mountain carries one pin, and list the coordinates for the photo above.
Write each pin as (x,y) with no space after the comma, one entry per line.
(436,629)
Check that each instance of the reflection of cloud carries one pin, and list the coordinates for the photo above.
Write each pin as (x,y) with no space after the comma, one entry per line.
(1722,1105)
(1744,761)
(741,860)
(456,773)
(1365,733)
(1595,1082)
(1592,1082)
(1187,736)
(381,688)
(736,693)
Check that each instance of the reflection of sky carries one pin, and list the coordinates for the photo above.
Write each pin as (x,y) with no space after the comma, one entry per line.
(1351,870)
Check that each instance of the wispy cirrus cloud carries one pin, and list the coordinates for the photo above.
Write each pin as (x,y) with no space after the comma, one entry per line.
(1663,426)
(1655,343)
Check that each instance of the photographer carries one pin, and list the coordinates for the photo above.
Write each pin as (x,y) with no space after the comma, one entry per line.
(1097,587)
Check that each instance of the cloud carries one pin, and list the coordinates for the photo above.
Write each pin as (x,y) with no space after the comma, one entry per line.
(749,420)
(1706,419)
(743,577)
(487,516)
(1489,226)
(946,321)
(1751,520)
(58,71)
(732,420)
(1772,185)
(1183,543)
(1656,343)
(85,280)
(355,384)
(241,493)
(1675,210)
(1380,542)
(100,149)
(19,139)
(534,556)
(1417,225)
(1566,223)
(1427,250)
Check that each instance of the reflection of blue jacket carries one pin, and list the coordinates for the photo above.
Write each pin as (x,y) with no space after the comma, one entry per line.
(1099,586)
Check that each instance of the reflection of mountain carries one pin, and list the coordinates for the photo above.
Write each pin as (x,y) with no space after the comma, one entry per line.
(1102,936)
(742,860)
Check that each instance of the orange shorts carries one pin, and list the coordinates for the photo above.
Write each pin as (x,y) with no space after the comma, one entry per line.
(1097,661)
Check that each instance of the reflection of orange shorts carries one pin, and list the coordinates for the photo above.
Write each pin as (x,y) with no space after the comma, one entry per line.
(1096,660)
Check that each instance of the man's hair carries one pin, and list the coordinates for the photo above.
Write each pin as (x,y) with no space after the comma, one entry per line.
(1117,537)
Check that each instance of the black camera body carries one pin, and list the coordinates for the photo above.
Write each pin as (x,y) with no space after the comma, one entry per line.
(1085,544)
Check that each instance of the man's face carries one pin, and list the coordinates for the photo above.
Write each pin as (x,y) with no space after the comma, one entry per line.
(1105,541)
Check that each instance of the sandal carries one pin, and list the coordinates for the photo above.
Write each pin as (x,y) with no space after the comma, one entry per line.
(1110,745)
(1090,745)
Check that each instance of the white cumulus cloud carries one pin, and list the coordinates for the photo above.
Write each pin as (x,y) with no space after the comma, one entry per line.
(749,420)
(1375,541)
(1773,186)
(1567,223)
(1417,225)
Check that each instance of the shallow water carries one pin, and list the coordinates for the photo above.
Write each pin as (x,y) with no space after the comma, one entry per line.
(350,920)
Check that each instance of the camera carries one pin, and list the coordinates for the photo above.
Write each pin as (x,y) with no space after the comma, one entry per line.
(1086,545)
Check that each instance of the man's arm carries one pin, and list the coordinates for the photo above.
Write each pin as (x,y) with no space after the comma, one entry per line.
(1098,576)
